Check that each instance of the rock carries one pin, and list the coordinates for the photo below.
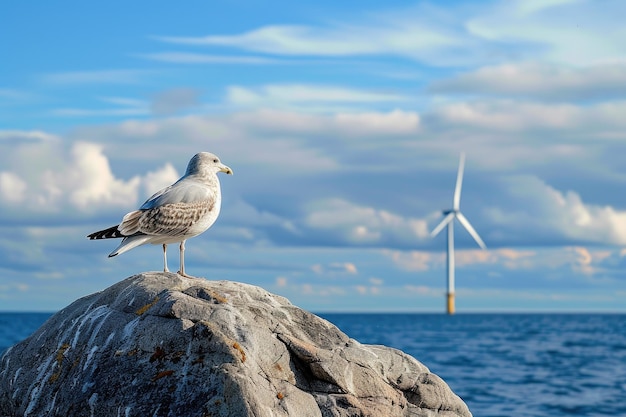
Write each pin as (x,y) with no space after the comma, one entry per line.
(158,344)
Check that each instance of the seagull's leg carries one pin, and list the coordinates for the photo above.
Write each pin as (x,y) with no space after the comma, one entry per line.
(182,260)
(165,269)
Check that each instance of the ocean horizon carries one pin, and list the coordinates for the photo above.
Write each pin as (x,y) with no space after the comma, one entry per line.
(500,364)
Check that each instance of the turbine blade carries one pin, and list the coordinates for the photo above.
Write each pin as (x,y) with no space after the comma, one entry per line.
(459,183)
(443,224)
(463,220)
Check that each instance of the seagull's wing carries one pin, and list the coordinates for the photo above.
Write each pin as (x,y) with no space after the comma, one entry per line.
(172,211)
(155,198)
(184,190)
(173,219)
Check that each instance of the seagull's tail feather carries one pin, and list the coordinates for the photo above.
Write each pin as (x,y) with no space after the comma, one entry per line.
(110,233)
(130,242)
(130,223)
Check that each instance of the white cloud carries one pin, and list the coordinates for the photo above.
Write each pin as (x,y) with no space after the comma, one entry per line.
(320,290)
(340,124)
(20,136)
(88,180)
(283,95)
(44,176)
(510,115)
(512,258)
(376,123)
(413,260)
(365,290)
(335,268)
(541,210)
(12,187)
(542,80)
(245,214)
(361,224)
(527,7)
(196,58)
(498,265)
(420,261)
(376,281)
(6,289)
(584,259)
(350,268)
(412,37)
(566,32)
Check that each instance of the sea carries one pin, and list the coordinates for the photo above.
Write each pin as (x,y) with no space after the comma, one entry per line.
(501,365)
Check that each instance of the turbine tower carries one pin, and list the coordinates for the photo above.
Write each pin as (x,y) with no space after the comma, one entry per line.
(448,220)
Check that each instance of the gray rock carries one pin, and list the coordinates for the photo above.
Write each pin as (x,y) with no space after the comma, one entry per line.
(158,344)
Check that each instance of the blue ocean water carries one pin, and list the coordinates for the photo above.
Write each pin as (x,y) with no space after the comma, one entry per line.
(15,327)
(502,365)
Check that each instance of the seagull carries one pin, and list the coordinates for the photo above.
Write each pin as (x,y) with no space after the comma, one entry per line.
(174,214)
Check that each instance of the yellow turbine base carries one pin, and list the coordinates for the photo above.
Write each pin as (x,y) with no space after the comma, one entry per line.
(450,303)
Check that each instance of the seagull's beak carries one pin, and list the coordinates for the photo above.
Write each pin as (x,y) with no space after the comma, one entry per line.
(226,169)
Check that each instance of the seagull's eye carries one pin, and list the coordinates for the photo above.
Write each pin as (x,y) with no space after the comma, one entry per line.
(216,160)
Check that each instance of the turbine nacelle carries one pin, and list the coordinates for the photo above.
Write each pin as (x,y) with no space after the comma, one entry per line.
(455,212)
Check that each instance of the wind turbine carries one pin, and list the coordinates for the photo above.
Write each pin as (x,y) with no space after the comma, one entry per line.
(448,220)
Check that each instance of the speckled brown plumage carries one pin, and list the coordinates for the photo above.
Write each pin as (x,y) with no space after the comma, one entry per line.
(172,219)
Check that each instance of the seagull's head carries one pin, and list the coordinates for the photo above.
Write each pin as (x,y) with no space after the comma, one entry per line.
(205,163)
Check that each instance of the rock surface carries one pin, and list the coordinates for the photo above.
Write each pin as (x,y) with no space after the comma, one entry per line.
(158,344)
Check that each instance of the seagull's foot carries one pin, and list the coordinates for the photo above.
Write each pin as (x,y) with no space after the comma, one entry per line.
(182,274)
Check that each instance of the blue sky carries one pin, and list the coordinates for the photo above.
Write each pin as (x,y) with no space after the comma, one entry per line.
(343,123)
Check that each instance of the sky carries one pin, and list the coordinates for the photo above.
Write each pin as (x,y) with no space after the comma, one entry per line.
(343,123)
